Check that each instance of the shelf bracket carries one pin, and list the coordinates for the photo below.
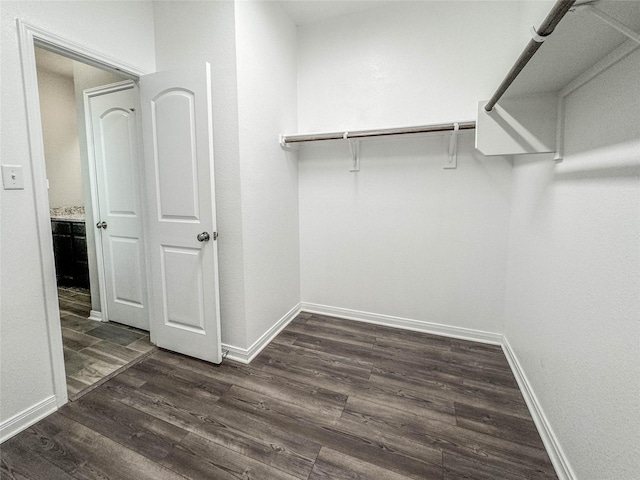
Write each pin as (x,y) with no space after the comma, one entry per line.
(354,149)
(452,159)
(284,146)
(619,26)
(559,156)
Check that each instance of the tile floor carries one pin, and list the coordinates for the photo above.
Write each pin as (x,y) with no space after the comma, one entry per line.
(95,351)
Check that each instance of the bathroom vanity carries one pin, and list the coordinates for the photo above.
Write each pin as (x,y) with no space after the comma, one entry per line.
(70,249)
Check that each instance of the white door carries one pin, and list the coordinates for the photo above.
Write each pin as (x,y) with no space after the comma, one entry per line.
(183,256)
(118,221)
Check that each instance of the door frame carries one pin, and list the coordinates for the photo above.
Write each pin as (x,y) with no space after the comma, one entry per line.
(29,37)
(87,95)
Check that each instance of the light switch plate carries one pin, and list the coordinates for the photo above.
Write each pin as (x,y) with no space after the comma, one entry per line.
(12,177)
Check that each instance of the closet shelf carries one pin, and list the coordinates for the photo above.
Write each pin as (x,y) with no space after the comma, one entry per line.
(551,21)
(592,36)
(288,140)
(586,38)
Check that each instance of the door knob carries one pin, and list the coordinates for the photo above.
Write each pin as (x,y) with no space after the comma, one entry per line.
(102,225)
(203,237)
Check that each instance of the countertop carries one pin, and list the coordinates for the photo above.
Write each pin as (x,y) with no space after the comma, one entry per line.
(67,214)
(69,218)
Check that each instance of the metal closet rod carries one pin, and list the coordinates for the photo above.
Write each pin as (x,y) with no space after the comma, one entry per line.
(547,27)
(381,132)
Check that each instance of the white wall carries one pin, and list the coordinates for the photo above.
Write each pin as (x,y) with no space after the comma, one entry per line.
(187,33)
(573,289)
(59,129)
(404,237)
(251,48)
(266,53)
(406,63)
(123,31)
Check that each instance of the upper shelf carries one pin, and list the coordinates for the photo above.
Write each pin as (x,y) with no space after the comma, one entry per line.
(579,41)
(529,114)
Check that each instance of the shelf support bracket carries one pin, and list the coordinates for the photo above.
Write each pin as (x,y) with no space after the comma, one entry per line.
(354,149)
(284,146)
(621,27)
(559,156)
(452,159)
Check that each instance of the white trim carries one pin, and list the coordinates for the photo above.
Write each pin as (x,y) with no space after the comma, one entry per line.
(96,316)
(57,44)
(26,418)
(552,445)
(405,323)
(43,220)
(28,36)
(245,355)
(110,88)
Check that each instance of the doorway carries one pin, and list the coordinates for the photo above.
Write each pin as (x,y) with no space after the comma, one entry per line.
(179,202)
(93,350)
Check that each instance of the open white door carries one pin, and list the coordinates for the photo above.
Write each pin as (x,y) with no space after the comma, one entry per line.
(183,255)
(115,162)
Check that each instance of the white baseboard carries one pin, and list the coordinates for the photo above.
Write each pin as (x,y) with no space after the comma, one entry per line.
(96,315)
(549,439)
(28,417)
(245,355)
(405,323)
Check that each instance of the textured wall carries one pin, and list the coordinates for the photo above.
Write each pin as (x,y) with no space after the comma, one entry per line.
(404,64)
(251,48)
(122,30)
(60,132)
(573,295)
(266,49)
(403,237)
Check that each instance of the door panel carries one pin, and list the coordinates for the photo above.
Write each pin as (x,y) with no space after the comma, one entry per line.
(125,257)
(177,131)
(184,288)
(119,161)
(114,131)
(175,154)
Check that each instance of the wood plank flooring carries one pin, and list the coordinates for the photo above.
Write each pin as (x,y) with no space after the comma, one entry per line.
(94,351)
(328,399)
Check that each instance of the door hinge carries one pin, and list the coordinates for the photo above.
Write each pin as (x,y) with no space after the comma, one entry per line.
(215,235)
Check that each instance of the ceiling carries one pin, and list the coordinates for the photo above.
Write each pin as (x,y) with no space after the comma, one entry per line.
(309,11)
(300,11)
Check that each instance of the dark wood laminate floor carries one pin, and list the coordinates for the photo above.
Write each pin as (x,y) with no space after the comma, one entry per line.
(94,351)
(328,399)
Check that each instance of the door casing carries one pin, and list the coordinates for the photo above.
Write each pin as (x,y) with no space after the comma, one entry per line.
(30,37)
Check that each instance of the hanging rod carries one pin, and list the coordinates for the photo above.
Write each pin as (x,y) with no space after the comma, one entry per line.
(381,132)
(547,27)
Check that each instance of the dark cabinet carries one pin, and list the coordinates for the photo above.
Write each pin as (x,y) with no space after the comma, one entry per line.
(70,249)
